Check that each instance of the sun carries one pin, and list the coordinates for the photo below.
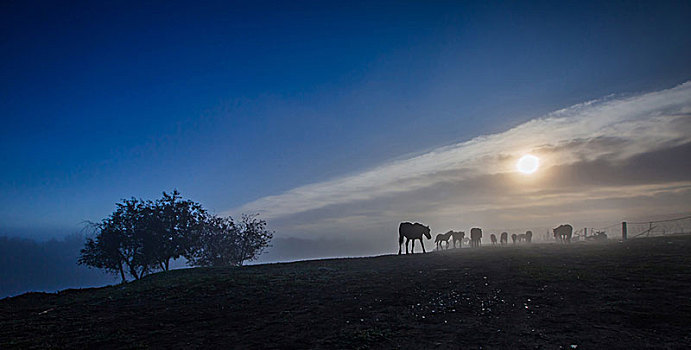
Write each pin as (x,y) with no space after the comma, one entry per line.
(528,164)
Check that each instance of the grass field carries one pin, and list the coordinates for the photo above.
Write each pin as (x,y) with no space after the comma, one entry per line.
(609,295)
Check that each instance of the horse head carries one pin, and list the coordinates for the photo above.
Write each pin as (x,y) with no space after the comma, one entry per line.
(426,232)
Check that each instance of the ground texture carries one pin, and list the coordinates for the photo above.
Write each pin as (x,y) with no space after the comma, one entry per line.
(635,294)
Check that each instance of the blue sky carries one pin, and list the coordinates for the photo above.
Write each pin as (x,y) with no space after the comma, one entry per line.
(232,103)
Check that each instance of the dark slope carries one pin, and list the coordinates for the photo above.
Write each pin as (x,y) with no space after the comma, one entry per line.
(636,294)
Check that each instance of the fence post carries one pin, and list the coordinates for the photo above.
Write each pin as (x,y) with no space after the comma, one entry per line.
(623,230)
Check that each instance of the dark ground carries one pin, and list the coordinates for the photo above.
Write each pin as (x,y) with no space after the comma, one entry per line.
(586,295)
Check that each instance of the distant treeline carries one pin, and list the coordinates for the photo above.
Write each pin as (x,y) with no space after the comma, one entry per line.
(143,236)
(28,265)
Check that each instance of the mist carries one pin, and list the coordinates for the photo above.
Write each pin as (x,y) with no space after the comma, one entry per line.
(28,265)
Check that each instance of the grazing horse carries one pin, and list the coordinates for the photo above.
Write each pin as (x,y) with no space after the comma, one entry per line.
(528,236)
(443,237)
(513,238)
(521,238)
(412,232)
(563,233)
(504,238)
(493,238)
(457,236)
(475,237)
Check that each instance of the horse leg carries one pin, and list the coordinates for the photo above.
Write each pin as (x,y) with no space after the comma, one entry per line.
(423,245)
(406,244)
(412,248)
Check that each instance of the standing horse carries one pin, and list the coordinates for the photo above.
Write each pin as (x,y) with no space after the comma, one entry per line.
(443,237)
(457,236)
(563,233)
(412,232)
(475,237)
(493,238)
(513,238)
(504,238)
(528,236)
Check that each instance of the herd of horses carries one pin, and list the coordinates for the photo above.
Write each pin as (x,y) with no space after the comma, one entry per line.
(413,231)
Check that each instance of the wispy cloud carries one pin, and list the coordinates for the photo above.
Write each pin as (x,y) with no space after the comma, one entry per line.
(612,129)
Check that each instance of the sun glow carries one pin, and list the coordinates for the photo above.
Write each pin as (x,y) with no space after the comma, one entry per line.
(528,164)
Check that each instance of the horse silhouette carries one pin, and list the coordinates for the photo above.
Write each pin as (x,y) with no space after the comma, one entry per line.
(513,238)
(443,237)
(504,238)
(493,238)
(528,236)
(412,232)
(563,233)
(521,237)
(457,236)
(475,237)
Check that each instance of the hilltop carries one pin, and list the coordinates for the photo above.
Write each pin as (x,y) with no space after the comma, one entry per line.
(631,294)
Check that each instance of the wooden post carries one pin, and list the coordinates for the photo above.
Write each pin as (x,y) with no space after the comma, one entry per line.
(623,230)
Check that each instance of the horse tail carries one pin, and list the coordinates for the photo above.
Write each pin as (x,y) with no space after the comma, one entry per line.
(400,238)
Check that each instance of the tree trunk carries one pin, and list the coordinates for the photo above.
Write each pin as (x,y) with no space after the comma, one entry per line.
(133,271)
(122,273)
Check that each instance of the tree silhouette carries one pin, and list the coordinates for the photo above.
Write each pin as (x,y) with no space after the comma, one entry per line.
(224,242)
(143,236)
(177,224)
(123,241)
(140,237)
(103,252)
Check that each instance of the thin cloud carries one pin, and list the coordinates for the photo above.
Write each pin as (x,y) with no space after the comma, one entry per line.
(612,129)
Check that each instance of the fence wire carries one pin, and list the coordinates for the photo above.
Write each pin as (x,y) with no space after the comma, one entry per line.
(641,229)
(659,227)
